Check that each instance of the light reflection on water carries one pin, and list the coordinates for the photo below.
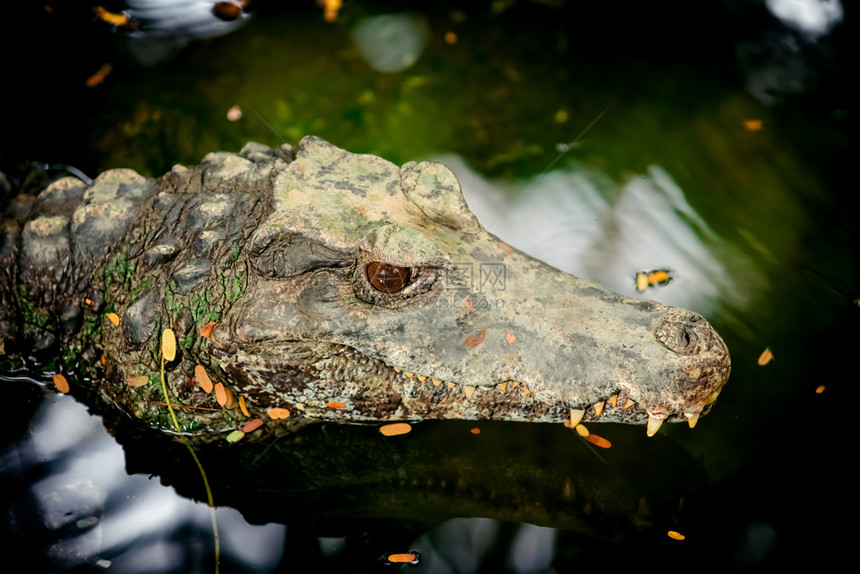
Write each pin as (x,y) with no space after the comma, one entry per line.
(581,221)
(86,510)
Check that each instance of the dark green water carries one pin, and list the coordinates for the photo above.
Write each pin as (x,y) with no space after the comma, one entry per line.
(664,171)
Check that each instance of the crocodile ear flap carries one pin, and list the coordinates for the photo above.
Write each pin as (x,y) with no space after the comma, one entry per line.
(435,190)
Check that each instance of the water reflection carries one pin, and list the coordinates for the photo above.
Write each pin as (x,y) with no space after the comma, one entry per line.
(583,222)
(83,509)
(391,42)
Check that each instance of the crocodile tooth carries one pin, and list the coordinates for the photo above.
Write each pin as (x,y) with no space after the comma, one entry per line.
(421,379)
(613,400)
(397,370)
(576,416)
(628,404)
(410,375)
(436,382)
(502,386)
(713,397)
(692,418)
(598,408)
(450,385)
(653,424)
(470,390)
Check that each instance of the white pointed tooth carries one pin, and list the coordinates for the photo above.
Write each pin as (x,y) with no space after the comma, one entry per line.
(598,407)
(654,423)
(470,390)
(692,418)
(576,416)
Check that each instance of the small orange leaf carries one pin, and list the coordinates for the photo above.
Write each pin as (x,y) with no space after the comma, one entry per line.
(402,558)
(819,389)
(475,430)
(137,381)
(395,429)
(203,378)
(675,535)
(99,76)
(228,399)
(474,340)
(335,405)
(252,425)
(61,383)
(206,330)
(581,430)
(242,406)
(114,318)
(765,357)
(598,441)
(220,394)
(753,125)
(278,413)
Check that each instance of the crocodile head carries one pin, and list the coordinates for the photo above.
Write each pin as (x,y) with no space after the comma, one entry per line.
(374,294)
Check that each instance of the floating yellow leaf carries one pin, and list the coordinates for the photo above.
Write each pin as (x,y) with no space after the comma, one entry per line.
(765,357)
(235,436)
(278,413)
(475,430)
(753,125)
(168,345)
(819,389)
(206,330)
(252,425)
(114,318)
(581,430)
(402,558)
(61,383)
(203,378)
(335,405)
(675,535)
(220,394)
(242,406)
(598,441)
(395,429)
(137,381)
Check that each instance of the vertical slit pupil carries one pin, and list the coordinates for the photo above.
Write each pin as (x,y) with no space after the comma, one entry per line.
(388,278)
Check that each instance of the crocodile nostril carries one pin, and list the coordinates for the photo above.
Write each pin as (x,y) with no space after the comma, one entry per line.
(683,332)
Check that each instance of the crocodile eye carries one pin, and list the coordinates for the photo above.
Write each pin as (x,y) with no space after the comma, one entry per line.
(388,278)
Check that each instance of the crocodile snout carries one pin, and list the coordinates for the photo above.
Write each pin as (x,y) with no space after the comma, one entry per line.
(703,363)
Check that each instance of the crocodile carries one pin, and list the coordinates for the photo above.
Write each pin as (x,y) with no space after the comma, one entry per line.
(326,286)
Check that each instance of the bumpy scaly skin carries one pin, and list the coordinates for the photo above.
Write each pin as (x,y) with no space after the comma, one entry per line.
(275,247)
